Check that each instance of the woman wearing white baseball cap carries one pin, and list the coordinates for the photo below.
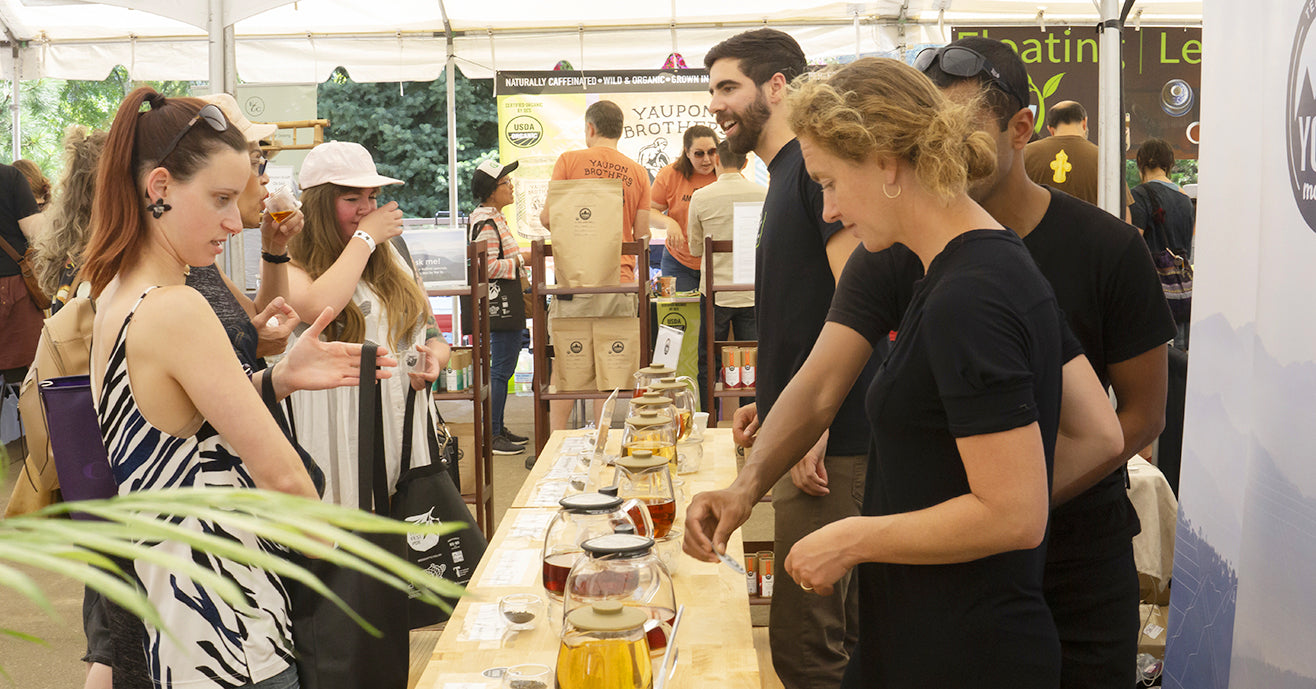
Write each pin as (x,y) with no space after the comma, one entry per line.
(343,259)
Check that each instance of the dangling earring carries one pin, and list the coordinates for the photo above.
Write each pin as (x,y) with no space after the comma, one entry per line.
(157,208)
(884,191)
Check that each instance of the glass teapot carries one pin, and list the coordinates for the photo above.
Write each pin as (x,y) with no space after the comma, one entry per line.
(649,430)
(648,479)
(683,394)
(582,517)
(624,567)
(603,647)
(651,374)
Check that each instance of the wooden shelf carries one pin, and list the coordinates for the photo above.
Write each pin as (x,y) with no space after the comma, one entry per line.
(539,251)
(466,394)
(714,392)
(477,271)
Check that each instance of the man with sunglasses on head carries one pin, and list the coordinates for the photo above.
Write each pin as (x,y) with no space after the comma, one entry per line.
(798,262)
(1106,284)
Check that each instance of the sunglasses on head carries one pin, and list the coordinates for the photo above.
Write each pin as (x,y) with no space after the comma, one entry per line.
(966,63)
(212,115)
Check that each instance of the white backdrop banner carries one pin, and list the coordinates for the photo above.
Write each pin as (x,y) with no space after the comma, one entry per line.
(1243,604)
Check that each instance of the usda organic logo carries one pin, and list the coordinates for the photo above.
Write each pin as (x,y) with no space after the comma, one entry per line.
(524,131)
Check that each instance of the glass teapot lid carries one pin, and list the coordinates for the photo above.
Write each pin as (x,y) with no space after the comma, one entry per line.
(641,460)
(590,503)
(618,545)
(607,616)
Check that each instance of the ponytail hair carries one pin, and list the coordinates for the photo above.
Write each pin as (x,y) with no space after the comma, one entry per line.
(134,147)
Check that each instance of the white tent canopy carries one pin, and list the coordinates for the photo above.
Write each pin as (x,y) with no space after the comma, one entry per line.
(302,41)
(277,41)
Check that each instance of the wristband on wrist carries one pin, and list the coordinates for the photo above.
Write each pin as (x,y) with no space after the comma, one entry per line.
(274,258)
(365,237)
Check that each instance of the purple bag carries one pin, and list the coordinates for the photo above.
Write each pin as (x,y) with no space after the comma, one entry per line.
(81,461)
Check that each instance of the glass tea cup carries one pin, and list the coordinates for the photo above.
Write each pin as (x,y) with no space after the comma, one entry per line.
(281,203)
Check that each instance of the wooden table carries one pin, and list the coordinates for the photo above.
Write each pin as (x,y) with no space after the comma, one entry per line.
(715,644)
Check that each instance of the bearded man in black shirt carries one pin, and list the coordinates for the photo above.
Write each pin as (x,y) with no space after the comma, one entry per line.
(797,264)
(1105,282)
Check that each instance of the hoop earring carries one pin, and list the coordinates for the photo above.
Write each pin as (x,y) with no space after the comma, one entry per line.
(884,191)
(157,208)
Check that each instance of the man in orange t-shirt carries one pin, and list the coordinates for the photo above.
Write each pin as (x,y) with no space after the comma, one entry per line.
(602,160)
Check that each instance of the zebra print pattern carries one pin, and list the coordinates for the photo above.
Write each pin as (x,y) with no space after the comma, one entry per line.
(212,644)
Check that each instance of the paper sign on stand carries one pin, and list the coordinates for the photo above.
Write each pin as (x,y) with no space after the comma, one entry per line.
(667,348)
(745,237)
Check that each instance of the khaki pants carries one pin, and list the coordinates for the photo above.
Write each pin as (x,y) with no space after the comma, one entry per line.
(812,635)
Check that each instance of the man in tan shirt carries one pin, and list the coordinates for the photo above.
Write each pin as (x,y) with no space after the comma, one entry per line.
(711,214)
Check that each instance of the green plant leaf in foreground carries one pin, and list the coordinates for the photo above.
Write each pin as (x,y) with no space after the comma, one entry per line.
(132,523)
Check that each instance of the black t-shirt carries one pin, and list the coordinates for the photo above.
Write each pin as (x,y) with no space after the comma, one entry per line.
(1105,282)
(16,203)
(979,350)
(792,292)
(1178,221)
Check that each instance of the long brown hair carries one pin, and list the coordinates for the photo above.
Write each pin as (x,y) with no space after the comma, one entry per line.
(134,148)
(70,210)
(321,242)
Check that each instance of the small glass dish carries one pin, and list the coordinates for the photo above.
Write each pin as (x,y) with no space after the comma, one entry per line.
(522,611)
(528,676)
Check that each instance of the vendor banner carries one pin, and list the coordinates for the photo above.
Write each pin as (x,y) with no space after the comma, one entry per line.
(1242,602)
(541,115)
(1162,77)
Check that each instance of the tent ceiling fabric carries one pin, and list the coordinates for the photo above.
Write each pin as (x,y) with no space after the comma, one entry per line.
(404,40)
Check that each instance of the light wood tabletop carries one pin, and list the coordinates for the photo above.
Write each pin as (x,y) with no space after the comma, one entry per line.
(714,643)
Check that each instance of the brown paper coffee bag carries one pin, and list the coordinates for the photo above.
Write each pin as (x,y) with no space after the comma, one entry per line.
(573,354)
(616,351)
(585,216)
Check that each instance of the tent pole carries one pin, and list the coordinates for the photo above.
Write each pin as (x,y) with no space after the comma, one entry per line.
(1109,119)
(15,112)
(450,77)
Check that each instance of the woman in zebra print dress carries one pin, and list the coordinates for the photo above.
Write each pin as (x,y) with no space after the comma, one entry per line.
(176,409)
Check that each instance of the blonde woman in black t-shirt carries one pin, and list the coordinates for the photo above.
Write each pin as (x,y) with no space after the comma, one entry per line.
(950,547)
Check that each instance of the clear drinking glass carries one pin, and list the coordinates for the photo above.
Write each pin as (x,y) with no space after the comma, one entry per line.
(281,203)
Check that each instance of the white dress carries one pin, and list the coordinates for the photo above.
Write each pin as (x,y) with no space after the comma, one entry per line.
(326,420)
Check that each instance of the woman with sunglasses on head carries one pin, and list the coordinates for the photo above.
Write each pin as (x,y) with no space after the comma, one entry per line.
(175,407)
(671,198)
(344,259)
(965,410)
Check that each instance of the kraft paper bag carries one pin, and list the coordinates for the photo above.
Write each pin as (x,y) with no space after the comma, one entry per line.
(616,351)
(573,353)
(585,218)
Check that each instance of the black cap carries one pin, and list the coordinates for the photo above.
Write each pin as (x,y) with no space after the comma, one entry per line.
(484,181)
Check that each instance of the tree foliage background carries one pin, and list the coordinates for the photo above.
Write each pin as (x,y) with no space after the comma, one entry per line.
(405,127)
(48,106)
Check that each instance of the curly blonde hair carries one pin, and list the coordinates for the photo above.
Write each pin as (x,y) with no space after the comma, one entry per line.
(318,246)
(70,210)
(883,107)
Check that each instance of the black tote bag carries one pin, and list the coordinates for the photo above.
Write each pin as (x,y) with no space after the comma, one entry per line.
(333,652)
(427,495)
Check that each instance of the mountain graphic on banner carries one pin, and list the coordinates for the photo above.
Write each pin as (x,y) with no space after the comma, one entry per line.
(1242,599)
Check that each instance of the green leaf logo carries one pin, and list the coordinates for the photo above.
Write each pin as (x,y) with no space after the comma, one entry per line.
(1043,93)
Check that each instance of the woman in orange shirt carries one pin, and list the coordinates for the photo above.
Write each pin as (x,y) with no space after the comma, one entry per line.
(671,196)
